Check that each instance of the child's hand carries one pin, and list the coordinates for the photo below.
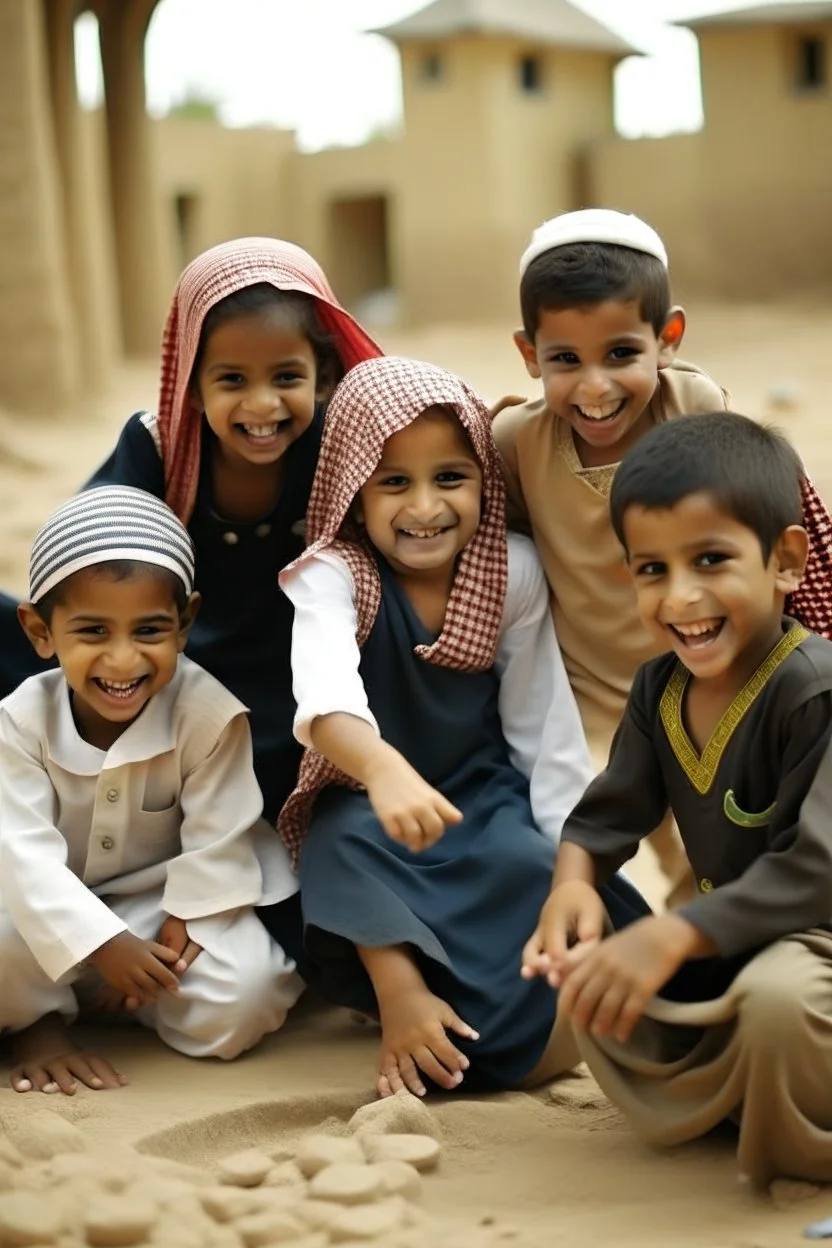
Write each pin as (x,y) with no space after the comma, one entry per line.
(573,912)
(173,934)
(606,991)
(138,969)
(408,808)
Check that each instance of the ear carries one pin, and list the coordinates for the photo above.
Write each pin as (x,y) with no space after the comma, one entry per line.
(670,339)
(187,618)
(790,555)
(37,630)
(526,347)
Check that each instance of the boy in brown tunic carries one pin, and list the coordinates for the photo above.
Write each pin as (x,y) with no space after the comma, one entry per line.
(601,333)
(731,731)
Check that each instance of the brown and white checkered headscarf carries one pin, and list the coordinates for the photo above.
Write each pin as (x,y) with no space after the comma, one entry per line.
(374,401)
(219,272)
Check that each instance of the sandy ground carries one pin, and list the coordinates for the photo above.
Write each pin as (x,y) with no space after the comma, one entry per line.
(556,1167)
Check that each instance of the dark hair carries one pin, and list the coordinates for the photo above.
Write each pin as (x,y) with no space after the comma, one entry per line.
(116,570)
(253,299)
(578,275)
(751,471)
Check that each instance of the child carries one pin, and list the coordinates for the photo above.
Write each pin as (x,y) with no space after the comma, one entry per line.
(127,808)
(600,332)
(445,744)
(254,344)
(731,730)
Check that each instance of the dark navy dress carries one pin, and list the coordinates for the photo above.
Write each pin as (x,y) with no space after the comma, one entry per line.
(467,905)
(243,632)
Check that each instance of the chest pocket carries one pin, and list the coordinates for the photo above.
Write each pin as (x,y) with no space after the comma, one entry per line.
(743,818)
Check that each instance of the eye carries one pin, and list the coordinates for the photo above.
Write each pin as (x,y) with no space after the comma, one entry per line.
(451,477)
(151,630)
(711,559)
(231,379)
(395,481)
(288,378)
(624,353)
(568,358)
(651,568)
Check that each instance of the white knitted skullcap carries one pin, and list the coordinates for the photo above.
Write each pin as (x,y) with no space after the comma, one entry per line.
(594,225)
(107,523)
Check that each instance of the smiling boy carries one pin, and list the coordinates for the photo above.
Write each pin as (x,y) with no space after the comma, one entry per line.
(129,854)
(731,731)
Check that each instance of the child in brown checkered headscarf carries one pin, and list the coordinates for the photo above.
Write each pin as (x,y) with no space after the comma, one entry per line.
(445,746)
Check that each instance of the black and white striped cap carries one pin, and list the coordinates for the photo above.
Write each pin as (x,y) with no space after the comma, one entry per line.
(107,523)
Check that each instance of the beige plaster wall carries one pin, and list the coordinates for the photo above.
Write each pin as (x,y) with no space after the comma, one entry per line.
(768,196)
(230,183)
(484,162)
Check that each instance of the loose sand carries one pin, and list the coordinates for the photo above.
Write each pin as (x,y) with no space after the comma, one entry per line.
(556,1167)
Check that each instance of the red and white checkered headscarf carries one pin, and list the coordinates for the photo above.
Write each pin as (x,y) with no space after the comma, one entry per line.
(811,603)
(374,401)
(219,272)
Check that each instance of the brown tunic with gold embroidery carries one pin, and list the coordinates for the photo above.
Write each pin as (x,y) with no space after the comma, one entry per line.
(753,810)
(565,508)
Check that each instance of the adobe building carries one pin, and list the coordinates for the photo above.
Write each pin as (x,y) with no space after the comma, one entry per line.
(508,118)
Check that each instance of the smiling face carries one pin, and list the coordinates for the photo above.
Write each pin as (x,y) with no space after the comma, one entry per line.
(705,590)
(599,365)
(256,381)
(117,640)
(421,506)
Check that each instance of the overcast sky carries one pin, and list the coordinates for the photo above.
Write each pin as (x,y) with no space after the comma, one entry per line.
(307,65)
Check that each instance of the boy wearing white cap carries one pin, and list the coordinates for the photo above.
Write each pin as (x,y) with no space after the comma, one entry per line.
(601,333)
(130,851)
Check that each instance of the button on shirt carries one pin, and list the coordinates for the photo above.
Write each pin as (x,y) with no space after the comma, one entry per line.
(172,804)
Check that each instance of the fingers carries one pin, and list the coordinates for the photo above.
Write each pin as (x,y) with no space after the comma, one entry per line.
(389,1080)
(535,960)
(162,952)
(189,955)
(38,1079)
(447,812)
(460,1028)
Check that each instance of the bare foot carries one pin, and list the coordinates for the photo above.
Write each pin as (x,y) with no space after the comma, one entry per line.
(45,1060)
(414,1037)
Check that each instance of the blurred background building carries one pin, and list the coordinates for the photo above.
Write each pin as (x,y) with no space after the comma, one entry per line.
(508,118)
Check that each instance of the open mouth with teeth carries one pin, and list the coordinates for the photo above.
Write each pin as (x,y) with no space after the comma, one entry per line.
(422,535)
(121,690)
(263,433)
(601,413)
(699,635)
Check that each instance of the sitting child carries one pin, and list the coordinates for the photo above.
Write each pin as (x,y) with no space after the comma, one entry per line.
(602,334)
(731,730)
(446,745)
(128,805)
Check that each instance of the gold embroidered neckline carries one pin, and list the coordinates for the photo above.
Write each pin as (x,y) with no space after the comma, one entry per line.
(600,478)
(701,771)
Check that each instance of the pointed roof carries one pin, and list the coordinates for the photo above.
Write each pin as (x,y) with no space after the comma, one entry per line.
(773,13)
(553,22)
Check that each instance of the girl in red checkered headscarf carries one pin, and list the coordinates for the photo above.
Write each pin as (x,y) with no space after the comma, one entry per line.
(254,344)
(445,748)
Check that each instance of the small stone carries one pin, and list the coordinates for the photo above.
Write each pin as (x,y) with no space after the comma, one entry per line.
(9,1154)
(116,1221)
(269,1228)
(401,1114)
(284,1174)
(785,1193)
(160,1191)
(366,1222)
(319,1214)
(225,1204)
(318,1151)
(398,1178)
(346,1183)
(246,1169)
(43,1135)
(25,1219)
(420,1151)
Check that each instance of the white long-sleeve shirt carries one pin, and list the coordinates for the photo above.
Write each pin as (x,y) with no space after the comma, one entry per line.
(539,716)
(172,804)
